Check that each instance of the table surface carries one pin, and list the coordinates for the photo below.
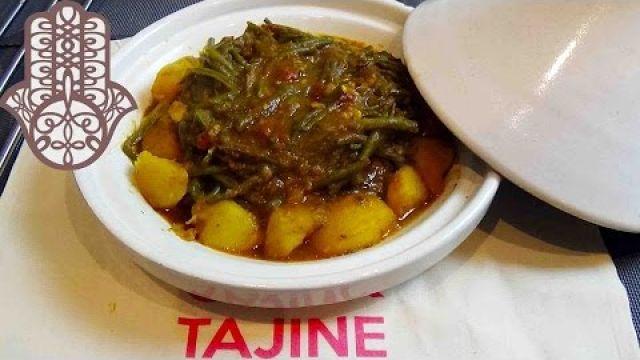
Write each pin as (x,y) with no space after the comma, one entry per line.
(127,17)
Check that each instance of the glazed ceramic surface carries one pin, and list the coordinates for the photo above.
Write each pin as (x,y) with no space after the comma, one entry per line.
(545,91)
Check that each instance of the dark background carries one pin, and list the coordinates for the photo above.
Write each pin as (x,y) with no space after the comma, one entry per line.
(127,17)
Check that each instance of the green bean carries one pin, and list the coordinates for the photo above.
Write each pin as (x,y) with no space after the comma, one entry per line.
(197,192)
(222,101)
(285,33)
(370,146)
(245,186)
(256,30)
(243,122)
(187,133)
(385,61)
(251,76)
(271,106)
(340,175)
(233,147)
(268,109)
(350,139)
(311,119)
(212,54)
(207,158)
(333,69)
(397,159)
(235,54)
(353,169)
(217,173)
(389,122)
(263,87)
(216,75)
(233,188)
(264,174)
(204,117)
(195,189)
(306,46)
(130,146)
(224,180)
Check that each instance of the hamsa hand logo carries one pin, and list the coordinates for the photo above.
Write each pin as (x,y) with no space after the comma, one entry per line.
(67,106)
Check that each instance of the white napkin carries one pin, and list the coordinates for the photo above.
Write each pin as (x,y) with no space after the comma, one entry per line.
(530,283)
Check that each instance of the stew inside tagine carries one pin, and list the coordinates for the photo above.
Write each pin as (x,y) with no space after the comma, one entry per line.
(283,145)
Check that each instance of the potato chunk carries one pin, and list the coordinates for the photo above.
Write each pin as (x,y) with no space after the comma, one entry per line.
(226,226)
(433,159)
(353,222)
(161,182)
(167,83)
(162,140)
(288,226)
(406,191)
